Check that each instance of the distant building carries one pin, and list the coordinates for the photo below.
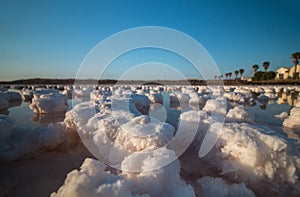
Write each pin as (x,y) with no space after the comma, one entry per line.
(292,72)
(282,73)
(287,73)
(246,78)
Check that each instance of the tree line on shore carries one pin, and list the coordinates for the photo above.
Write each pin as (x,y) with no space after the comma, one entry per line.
(262,75)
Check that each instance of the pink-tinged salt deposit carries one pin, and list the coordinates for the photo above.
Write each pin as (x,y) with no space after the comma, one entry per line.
(197,101)
(118,133)
(218,106)
(80,114)
(18,142)
(293,120)
(27,94)
(254,156)
(235,159)
(155,98)
(49,103)
(282,115)
(210,186)
(239,114)
(240,97)
(95,180)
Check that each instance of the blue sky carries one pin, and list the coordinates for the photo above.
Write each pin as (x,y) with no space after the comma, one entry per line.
(51,38)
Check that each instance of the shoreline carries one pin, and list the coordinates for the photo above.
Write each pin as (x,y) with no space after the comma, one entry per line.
(46,81)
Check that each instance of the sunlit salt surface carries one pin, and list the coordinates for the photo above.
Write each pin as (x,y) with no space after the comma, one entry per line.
(254,154)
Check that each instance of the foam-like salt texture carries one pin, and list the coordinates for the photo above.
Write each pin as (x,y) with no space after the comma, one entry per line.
(251,155)
(93,180)
(293,120)
(209,186)
(239,114)
(51,103)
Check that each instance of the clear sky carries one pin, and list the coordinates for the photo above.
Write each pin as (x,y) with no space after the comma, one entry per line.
(51,38)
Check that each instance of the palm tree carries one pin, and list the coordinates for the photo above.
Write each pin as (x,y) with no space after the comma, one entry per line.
(230,74)
(241,72)
(255,68)
(226,75)
(295,56)
(266,65)
(216,76)
(236,73)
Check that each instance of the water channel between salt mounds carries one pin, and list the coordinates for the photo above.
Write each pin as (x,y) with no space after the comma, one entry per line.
(25,118)
(264,115)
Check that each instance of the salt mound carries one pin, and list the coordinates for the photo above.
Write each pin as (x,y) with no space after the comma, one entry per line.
(80,114)
(83,91)
(155,98)
(197,101)
(8,99)
(218,105)
(179,98)
(49,103)
(239,97)
(263,99)
(247,154)
(239,114)
(282,115)
(114,130)
(293,121)
(271,96)
(27,94)
(210,186)
(94,180)
(19,142)
(118,135)
(11,96)
(194,125)
(141,102)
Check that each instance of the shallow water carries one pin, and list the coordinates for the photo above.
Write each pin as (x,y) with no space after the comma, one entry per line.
(264,115)
(60,163)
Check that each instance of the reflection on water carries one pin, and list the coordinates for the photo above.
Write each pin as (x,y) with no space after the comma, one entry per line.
(263,106)
(5,112)
(45,119)
(288,98)
(15,103)
(293,134)
(263,112)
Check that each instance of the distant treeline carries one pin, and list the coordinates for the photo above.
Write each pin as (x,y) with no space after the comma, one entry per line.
(263,79)
(112,81)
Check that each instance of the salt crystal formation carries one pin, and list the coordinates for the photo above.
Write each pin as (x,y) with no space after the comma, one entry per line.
(209,186)
(239,114)
(293,120)
(17,142)
(51,103)
(94,180)
(139,150)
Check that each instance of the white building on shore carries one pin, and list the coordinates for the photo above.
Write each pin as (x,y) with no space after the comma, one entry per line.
(287,73)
